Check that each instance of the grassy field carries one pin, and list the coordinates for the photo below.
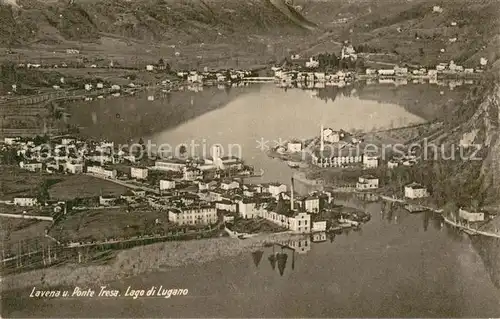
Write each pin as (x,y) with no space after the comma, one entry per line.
(101,224)
(21,231)
(17,182)
(84,186)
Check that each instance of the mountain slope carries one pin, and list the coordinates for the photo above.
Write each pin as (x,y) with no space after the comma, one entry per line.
(411,30)
(152,20)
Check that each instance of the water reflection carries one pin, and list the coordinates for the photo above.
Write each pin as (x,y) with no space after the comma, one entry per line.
(488,249)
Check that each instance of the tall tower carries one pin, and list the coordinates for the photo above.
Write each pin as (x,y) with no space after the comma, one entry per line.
(322,142)
(291,195)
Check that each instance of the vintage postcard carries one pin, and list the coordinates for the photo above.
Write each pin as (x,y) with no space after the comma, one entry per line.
(250,158)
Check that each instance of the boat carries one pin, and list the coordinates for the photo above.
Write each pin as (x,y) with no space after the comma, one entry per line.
(469,231)
(293,164)
(413,209)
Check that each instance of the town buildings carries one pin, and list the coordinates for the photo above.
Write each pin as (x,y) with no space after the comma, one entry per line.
(139,172)
(202,214)
(415,190)
(167,184)
(170,165)
(470,216)
(102,172)
(25,201)
(367,182)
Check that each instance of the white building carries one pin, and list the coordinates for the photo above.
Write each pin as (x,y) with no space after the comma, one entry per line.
(194,215)
(227,185)
(392,164)
(150,67)
(471,216)
(10,140)
(367,182)
(170,165)
(167,184)
(276,188)
(311,204)
(319,226)
(191,173)
(139,172)
(336,158)
(31,166)
(250,208)
(74,167)
(330,136)
(386,72)
(370,161)
(312,63)
(227,206)
(437,9)
(101,171)
(106,200)
(400,71)
(294,147)
(415,190)
(25,201)
(194,77)
(371,72)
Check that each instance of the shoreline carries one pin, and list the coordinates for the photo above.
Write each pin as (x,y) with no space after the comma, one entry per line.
(142,259)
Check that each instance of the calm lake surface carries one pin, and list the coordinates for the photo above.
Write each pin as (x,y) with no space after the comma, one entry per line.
(398,265)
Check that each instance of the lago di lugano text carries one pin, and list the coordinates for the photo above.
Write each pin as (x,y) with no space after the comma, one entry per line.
(108,292)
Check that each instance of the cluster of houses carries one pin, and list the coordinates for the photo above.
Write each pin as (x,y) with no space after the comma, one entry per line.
(187,196)
(305,79)
(212,77)
(441,68)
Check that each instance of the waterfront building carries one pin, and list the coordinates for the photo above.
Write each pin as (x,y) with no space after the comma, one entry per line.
(336,157)
(367,182)
(167,184)
(386,72)
(312,63)
(202,214)
(318,237)
(139,172)
(415,190)
(252,207)
(25,201)
(471,216)
(318,226)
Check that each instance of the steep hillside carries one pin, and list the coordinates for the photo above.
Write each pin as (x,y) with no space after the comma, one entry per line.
(411,29)
(151,20)
(469,148)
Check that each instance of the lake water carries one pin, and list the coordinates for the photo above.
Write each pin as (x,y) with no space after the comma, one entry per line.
(398,265)
(244,121)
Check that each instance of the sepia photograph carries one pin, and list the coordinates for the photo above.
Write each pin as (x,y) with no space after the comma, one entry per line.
(250,158)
